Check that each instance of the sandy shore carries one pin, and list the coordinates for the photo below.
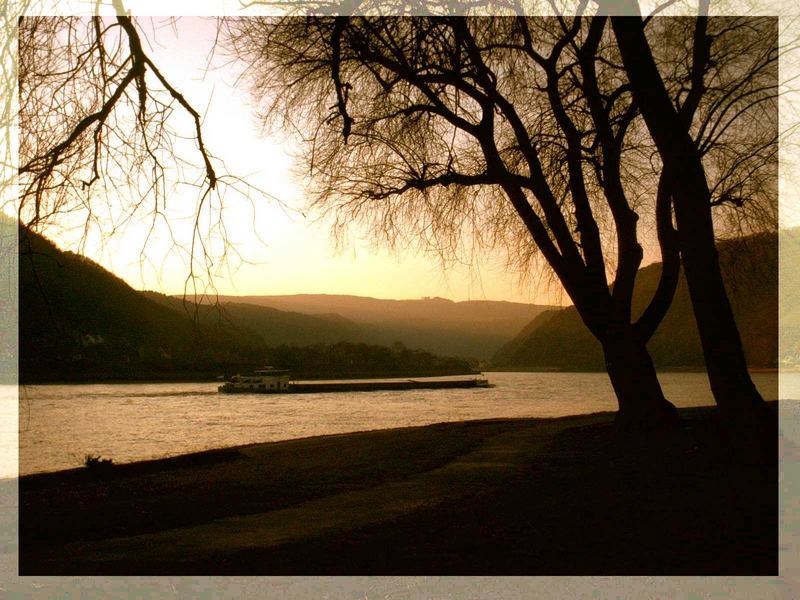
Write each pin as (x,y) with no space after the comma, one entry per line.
(533,496)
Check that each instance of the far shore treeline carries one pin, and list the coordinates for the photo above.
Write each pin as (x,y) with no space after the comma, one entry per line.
(80,323)
(346,359)
(320,361)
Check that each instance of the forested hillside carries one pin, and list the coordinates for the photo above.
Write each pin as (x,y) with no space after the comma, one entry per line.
(558,340)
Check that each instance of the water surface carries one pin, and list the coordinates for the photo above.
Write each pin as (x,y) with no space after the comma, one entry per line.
(60,424)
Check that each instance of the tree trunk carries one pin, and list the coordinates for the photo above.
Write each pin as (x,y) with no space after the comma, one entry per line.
(733,389)
(730,382)
(642,404)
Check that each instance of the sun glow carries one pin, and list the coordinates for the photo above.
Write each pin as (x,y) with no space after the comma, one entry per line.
(256,236)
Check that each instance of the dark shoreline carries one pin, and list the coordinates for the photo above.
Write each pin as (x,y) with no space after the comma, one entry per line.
(215,378)
(211,379)
(510,497)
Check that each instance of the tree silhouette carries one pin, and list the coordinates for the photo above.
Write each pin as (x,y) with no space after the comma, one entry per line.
(682,156)
(522,130)
(521,133)
(105,139)
(443,127)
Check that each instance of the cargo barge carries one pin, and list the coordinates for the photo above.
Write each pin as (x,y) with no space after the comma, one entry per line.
(277,381)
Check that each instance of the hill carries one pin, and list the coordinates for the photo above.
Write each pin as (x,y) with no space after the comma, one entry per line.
(471,329)
(79,322)
(271,326)
(558,340)
(9,313)
(790,298)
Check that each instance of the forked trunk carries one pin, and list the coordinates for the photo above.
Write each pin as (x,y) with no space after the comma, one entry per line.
(722,347)
(642,404)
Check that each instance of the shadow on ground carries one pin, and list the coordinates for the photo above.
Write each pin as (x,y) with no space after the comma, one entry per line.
(519,497)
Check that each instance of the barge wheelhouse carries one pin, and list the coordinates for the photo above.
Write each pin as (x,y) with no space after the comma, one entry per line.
(265,381)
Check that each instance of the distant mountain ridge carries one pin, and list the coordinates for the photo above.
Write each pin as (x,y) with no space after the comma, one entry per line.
(558,340)
(472,328)
(272,327)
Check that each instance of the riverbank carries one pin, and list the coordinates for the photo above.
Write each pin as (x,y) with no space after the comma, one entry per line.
(523,496)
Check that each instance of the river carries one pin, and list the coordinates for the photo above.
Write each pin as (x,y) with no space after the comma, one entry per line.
(60,424)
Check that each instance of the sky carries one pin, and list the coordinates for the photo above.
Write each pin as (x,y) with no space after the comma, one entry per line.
(277,247)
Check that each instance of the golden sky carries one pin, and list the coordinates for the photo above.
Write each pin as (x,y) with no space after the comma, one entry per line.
(276,248)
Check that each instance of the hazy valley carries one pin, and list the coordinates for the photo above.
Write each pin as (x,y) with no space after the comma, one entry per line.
(80,322)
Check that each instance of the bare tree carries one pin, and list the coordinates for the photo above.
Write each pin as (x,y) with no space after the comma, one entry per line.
(106,138)
(445,128)
(721,76)
(683,150)
(524,130)
(521,133)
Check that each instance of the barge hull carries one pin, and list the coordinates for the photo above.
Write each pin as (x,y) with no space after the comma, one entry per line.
(373,386)
(311,387)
